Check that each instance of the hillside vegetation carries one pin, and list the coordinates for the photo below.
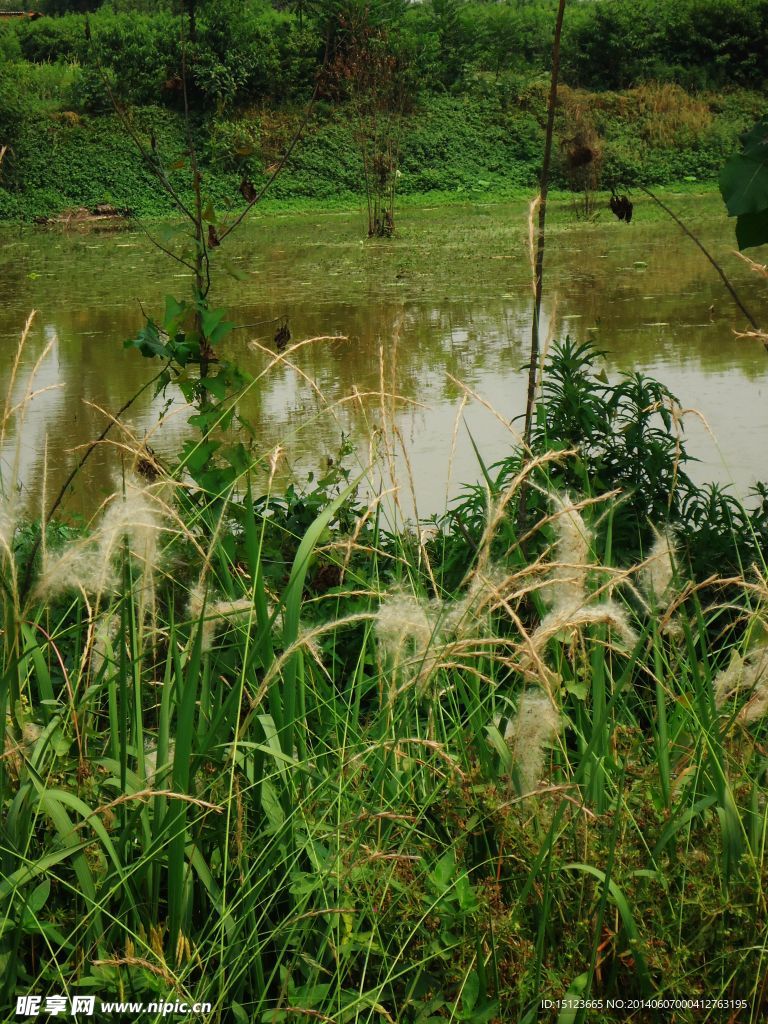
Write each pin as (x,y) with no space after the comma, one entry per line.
(657,91)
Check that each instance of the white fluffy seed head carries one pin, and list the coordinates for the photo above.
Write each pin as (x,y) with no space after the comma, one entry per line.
(7,526)
(104,636)
(537,724)
(468,616)
(745,672)
(657,575)
(567,585)
(404,626)
(75,567)
(407,633)
(608,613)
(216,613)
(757,705)
(132,516)
(89,565)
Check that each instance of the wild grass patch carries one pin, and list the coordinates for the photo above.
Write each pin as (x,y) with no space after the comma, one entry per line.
(329,768)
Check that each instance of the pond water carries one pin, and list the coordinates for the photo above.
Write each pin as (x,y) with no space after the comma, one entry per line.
(447,301)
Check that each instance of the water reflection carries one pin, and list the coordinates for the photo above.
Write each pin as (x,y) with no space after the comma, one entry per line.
(449,298)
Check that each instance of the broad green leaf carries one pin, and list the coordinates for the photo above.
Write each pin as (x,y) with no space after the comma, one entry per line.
(744,186)
(39,896)
(210,319)
(579,690)
(174,310)
(752,229)
(501,747)
(220,332)
(148,342)
(216,386)
(444,871)
(574,993)
(196,455)
(470,992)
(36,868)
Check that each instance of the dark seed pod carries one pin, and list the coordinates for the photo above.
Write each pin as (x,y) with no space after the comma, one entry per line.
(621,206)
(247,191)
(147,466)
(282,337)
(580,156)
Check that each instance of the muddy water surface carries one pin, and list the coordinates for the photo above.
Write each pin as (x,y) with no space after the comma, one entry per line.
(448,300)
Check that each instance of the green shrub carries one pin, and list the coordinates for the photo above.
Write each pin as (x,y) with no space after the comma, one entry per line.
(141,53)
(698,43)
(10,47)
(53,39)
(91,90)
(10,107)
(237,56)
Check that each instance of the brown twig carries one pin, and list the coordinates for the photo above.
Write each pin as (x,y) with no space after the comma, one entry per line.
(539,262)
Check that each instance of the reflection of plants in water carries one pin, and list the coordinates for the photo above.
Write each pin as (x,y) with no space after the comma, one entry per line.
(622,208)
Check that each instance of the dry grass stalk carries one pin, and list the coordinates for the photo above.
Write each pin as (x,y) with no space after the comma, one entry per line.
(13,417)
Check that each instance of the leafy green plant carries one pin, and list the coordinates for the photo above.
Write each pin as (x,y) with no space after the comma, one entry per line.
(238,794)
(744,186)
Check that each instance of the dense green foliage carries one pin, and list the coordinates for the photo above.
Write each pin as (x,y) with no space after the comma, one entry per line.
(264,765)
(462,146)
(474,73)
(613,44)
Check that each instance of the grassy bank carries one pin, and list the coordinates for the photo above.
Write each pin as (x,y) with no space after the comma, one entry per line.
(452,148)
(268,752)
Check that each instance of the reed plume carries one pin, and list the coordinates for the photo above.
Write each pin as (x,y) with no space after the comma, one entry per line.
(748,672)
(658,573)
(215,614)
(537,725)
(566,589)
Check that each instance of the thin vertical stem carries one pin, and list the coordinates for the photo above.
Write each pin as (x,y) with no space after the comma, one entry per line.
(543,190)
